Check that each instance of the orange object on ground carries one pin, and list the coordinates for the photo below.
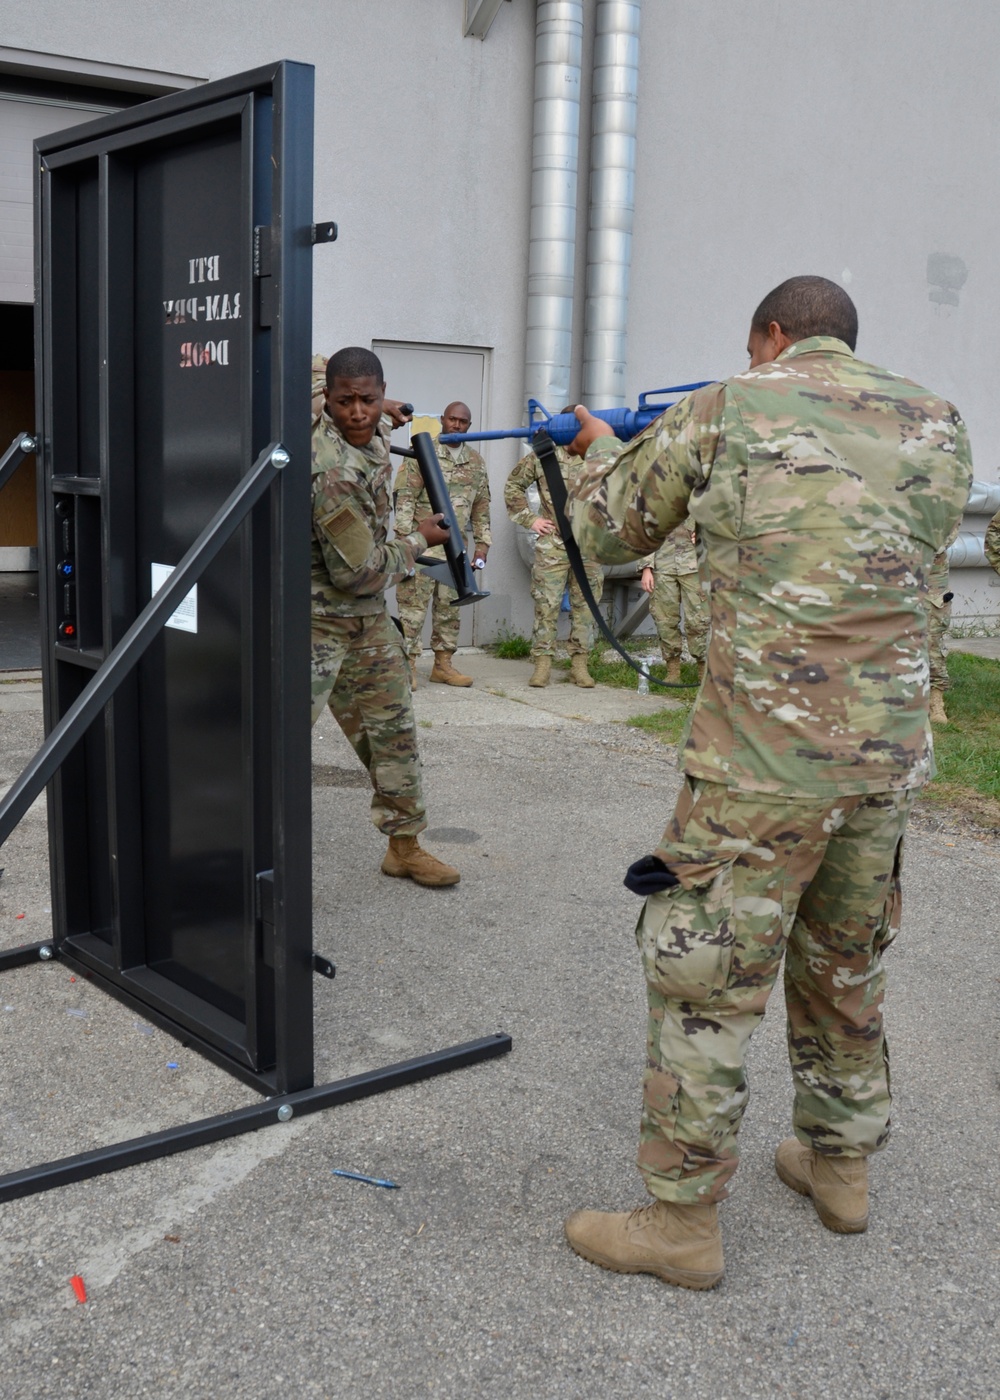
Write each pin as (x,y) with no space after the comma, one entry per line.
(79,1288)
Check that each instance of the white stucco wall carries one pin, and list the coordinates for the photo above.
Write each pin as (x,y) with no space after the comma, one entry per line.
(856,140)
(423,142)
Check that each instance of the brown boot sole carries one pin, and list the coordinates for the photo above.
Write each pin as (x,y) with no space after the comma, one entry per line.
(836,1223)
(682,1278)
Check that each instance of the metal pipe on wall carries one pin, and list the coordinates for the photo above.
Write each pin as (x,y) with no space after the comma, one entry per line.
(552,233)
(984,498)
(614,107)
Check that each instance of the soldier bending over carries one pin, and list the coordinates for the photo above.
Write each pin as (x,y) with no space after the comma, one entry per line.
(551,571)
(358,667)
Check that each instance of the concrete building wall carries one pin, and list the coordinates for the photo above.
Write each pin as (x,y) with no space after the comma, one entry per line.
(855,140)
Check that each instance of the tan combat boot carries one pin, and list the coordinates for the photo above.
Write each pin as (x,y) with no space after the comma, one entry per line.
(543,670)
(413,673)
(578,672)
(444,672)
(838,1185)
(407,860)
(681,1244)
(938,713)
(673,675)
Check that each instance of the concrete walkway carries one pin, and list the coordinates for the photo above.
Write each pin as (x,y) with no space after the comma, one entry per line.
(247,1270)
(978,646)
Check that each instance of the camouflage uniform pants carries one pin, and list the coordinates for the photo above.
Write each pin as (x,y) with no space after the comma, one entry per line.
(549,575)
(761,877)
(938,620)
(358,668)
(669,591)
(412,596)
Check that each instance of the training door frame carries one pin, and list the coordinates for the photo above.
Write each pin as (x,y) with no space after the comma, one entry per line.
(281,295)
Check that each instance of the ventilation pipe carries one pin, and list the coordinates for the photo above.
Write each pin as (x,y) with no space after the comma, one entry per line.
(612,201)
(552,235)
(984,498)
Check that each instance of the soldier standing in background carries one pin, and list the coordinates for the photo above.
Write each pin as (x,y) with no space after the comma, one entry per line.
(822,488)
(939,599)
(551,570)
(671,579)
(464,472)
(358,666)
(992,542)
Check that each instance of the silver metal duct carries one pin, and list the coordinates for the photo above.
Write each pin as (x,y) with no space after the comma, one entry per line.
(968,551)
(612,200)
(984,498)
(552,235)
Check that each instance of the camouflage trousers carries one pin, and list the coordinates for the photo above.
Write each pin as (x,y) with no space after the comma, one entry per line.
(669,592)
(759,876)
(938,622)
(412,596)
(550,574)
(358,668)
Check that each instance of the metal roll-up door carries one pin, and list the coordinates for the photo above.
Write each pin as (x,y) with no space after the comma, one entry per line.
(22,119)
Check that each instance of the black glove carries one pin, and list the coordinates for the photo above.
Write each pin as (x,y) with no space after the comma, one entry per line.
(649,876)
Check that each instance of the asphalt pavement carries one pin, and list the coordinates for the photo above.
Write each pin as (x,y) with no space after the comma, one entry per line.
(247,1269)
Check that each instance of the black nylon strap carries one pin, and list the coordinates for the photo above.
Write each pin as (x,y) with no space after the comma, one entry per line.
(544,449)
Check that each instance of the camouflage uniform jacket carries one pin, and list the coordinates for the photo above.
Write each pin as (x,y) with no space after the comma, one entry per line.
(676,555)
(528,470)
(468,486)
(822,488)
(992,543)
(352,562)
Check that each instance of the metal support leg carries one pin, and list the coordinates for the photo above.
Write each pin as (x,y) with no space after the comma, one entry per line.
(246,1120)
(22,446)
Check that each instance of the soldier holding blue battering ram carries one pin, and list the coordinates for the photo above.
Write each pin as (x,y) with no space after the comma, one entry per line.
(821,487)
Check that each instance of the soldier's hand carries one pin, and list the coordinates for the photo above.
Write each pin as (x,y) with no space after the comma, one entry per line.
(647,580)
(432,529)
(541,526)
(480,554)
(591,429)
(394,408)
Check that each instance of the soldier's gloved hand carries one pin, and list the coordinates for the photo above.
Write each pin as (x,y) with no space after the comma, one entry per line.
(647,580)
(432,529)
(649,876)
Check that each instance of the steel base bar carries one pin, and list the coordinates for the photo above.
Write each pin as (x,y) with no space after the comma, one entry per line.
(247,1120)
(21,957)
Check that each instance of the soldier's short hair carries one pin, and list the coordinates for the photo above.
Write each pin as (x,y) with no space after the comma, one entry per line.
(805,306)
(353,362)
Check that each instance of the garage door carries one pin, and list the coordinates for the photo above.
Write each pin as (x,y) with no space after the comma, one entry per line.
(21,120)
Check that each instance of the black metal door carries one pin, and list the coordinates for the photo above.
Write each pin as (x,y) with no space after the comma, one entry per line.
(174,325)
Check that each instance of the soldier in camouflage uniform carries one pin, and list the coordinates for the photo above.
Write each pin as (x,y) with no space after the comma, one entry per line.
(551,570)
(992,542)
(358,667)
(939,598)
(671,578)
(822,488)
(464,472)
